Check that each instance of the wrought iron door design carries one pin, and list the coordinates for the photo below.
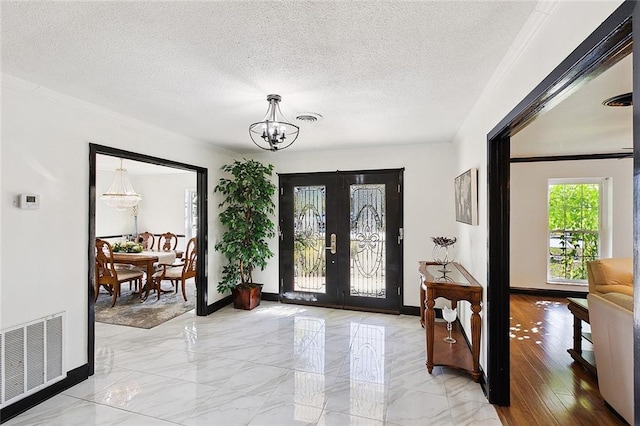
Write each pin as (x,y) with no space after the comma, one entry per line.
(340,238)
(367,242)
(309,213)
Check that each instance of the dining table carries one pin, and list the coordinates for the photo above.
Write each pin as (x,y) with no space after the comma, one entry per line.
(147,259)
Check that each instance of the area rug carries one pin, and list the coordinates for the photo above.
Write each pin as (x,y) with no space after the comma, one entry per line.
(130,311)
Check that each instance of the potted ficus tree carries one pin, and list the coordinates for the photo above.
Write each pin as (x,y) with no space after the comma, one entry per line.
(246,212)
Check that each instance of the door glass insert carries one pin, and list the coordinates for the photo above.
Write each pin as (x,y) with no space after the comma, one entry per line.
(309,230)
(367,240)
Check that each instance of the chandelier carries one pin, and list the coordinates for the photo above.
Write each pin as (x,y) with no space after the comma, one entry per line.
(274,132)
(121,194)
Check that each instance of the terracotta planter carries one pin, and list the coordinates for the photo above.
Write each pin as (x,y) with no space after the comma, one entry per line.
(246,297)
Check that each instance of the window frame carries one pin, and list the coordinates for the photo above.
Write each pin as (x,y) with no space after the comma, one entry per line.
(604,222)
(190,214)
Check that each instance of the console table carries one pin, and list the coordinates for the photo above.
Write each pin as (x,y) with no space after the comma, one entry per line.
(455,285)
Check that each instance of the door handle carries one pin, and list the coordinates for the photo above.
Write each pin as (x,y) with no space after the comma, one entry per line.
(332,247)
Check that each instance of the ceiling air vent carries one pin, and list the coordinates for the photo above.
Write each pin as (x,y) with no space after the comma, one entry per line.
(620,100)
(309,117)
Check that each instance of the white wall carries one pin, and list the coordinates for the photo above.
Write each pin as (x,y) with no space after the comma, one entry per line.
(428,197)
(45,150)
(162,208)
(551,34)
(529,214)
(110,221)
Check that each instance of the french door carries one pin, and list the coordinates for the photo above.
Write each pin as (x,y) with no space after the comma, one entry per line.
(341,239)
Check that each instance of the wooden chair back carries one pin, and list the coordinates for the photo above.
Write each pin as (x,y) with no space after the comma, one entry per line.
(190,260)
(177,273)
(107,274)
(105,268)
(167,242)
(147,240)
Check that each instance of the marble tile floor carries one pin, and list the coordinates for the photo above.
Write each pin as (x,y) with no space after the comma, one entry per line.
(276,365)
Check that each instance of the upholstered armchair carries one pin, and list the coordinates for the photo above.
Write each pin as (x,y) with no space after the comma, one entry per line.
(611,275)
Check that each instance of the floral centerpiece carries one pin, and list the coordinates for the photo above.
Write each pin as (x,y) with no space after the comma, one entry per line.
(127,247)
(444,241)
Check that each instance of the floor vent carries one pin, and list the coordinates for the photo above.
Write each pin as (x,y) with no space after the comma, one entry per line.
(31,357)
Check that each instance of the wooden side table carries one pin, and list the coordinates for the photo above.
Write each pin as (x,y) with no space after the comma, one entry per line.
(455,285)
(580,310)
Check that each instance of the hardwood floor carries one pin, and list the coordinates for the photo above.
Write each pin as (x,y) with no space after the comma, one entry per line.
(547,386)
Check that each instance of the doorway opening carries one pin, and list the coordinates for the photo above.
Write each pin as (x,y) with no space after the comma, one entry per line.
(607,45)
(201,227)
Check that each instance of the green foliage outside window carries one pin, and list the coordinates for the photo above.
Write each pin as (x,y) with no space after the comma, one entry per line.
(574,217)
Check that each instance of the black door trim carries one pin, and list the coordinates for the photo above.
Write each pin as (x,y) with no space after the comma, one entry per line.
(577,157)
(202,247)
(611,41)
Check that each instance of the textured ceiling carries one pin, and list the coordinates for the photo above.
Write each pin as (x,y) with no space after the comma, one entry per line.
(384,72)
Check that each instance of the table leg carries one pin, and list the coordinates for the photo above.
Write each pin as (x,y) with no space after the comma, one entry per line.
(422,305)
(577,334)
(149,283)
(476,325)
(429,329)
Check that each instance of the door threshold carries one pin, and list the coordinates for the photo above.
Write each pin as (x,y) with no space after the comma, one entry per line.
(341,307)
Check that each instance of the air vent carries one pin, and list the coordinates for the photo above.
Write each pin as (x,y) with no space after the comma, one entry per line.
(619,101)
(31,357)
(309,117)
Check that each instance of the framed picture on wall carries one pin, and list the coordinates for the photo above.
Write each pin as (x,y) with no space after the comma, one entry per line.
(466,186)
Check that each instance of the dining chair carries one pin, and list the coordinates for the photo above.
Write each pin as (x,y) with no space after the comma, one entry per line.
(179,272)
(167,241)
(147,240)
(107,275)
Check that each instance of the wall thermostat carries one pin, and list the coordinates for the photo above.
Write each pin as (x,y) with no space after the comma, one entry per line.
(29,201)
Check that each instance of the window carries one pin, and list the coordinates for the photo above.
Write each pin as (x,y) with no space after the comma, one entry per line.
(575,216)
(191,213)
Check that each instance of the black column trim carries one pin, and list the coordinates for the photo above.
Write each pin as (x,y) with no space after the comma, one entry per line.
(91,247)
(498,349)
(74,377)
(202,274)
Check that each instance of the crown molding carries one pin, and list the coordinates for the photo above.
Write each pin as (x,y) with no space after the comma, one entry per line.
(520,45)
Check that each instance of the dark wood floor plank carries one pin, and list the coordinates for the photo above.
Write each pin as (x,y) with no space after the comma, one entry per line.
(547,386)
